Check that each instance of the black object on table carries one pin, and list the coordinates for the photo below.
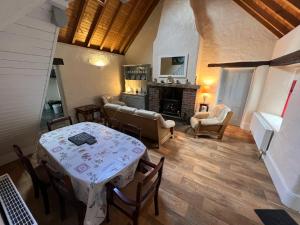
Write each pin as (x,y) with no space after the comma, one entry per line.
(275,217)
(82,138)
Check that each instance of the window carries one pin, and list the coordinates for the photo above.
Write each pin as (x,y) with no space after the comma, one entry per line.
(288,98)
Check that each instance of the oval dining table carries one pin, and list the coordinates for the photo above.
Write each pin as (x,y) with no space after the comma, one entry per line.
(114,158)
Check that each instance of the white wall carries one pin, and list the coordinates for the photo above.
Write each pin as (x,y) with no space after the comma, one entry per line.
(26,54)
(282,158)
(229,34)
(279,79)
(177,36)
(82,82)
(141,50)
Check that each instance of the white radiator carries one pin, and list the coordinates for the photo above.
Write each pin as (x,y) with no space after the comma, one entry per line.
(262,131)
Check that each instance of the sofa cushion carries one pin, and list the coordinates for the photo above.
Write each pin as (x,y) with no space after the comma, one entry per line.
(146,113)
(112,106)
(126,109)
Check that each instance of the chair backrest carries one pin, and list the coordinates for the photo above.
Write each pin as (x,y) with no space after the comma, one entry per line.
(61,121)
(25,162)
(145,189)
(132,130)
(61,183)
(114,123)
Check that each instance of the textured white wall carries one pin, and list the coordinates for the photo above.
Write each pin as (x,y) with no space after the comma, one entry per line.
(177,35)
(141,50)
(229,34)
(82,82)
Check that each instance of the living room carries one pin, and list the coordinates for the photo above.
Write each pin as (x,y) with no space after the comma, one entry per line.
(204,92)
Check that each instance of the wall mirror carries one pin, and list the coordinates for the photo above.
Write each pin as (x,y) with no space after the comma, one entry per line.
(175,66)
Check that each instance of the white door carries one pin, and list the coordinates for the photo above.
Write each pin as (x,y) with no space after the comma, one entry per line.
(233,92)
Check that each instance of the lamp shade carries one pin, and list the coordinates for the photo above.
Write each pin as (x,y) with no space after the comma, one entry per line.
(205,89)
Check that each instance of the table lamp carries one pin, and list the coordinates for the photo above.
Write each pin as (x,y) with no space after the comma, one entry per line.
(205,92)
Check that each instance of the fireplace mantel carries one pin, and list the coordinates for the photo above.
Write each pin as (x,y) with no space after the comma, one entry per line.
(185,86)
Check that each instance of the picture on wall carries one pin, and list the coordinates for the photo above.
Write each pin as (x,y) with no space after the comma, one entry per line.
(175,66)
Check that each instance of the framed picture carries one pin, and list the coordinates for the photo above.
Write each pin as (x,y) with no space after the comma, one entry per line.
(203,107)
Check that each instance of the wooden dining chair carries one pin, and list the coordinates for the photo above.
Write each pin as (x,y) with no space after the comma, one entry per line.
(132,130)
(147,185)
(113,123)
(59,121)
(63,187)
(39,177)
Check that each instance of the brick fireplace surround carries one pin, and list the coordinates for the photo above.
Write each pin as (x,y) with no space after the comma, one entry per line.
(188,97)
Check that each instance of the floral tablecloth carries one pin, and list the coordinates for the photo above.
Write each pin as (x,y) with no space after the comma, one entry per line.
(113,158)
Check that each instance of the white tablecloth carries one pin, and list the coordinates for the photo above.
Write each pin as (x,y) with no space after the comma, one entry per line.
(113,158)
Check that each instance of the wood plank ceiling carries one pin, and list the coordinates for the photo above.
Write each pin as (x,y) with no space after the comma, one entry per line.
(279,16)
(107,25)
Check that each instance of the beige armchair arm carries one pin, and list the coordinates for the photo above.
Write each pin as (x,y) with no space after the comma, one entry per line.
(201,115)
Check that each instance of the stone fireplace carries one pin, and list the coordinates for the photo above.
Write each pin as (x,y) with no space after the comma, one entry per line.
(175,100)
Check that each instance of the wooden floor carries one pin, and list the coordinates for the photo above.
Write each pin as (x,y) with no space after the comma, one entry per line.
(205,182)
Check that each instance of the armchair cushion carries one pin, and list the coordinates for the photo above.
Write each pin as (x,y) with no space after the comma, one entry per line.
(210,121)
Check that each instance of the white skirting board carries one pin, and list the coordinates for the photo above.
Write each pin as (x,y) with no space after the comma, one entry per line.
(288,198)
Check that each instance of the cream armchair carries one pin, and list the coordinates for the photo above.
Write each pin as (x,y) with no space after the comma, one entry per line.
(212,123)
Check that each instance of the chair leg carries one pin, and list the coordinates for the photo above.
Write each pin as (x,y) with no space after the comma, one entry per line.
(36,190)
(107,218)
(81,213)
(156,204)
(136,220)
(45,200)
(62,208)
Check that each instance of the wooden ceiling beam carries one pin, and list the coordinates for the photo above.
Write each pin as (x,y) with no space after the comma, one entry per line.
(95,23)
(141,23)
(285,60)
(110,24)
(289,59)
(282,12)
(274,18)
(290,6)
(83,5)
(260,18)
(239,64)
(125,24)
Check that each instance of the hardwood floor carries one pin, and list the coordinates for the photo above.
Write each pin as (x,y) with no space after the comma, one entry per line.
(205,182)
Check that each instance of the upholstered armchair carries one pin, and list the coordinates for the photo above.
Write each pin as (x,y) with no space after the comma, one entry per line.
(213,122)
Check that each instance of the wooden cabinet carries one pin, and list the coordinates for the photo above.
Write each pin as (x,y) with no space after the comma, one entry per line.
(134,100)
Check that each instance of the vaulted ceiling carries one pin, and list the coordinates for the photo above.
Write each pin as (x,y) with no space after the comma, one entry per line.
(279,16)
(111,25)
(107,25)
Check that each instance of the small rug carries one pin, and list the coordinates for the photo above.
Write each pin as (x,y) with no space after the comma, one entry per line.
(275,217)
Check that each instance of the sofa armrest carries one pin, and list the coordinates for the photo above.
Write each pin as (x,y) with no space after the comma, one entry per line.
(168,124)
(201,115)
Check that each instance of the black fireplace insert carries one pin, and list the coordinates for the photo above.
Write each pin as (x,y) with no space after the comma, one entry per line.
(170,101)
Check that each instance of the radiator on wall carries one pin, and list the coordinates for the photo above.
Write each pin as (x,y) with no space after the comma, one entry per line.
(262,132)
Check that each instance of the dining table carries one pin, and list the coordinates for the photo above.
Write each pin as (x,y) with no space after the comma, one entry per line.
(113,158)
